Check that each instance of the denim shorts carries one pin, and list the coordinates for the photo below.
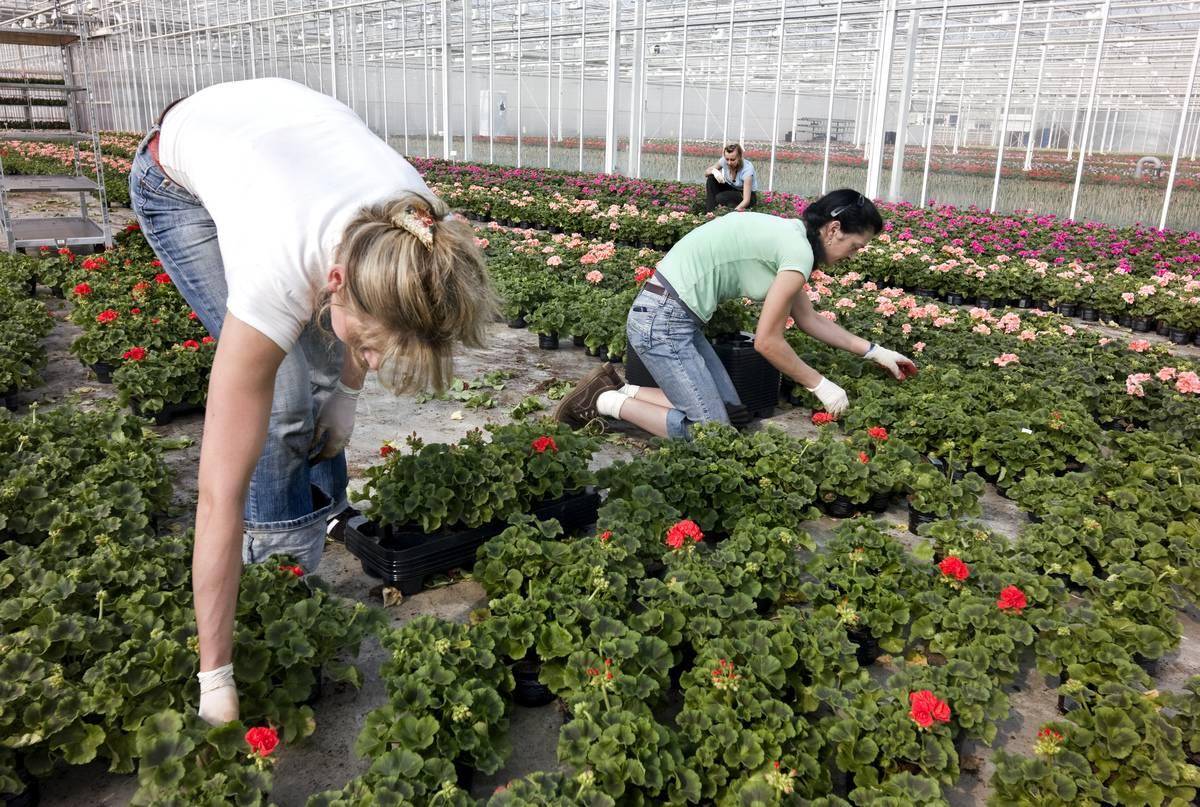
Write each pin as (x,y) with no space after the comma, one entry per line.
(289,500)
(671,344)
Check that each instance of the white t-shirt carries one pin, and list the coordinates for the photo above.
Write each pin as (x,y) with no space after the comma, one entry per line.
(281,169)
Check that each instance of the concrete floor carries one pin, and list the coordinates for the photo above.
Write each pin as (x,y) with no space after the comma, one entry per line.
(326,760)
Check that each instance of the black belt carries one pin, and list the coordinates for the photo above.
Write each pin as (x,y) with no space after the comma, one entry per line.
(655,289)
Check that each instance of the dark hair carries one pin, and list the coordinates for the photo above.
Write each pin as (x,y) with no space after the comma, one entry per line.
(855,212)
(734,147)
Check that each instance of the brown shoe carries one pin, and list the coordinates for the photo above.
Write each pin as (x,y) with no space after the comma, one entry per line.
(578,407)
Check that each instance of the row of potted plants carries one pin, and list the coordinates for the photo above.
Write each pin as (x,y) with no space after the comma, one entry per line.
(98,630)
(24,322)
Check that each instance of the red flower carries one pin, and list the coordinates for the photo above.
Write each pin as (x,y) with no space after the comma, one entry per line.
(385,450)
(262,739)
(926,708)
(1012,599)
(94,263)
(191,315)
(83,289)
(678,534)
(141,285)
(642,274)
(191,344)
(135,354)
(606,536)
(544,442)
(952,566)
(133,227)
(821,418)
(106,316)
(156,263)
(163,278)
(135,311)
(296,570)
(863,458)
(878,433)
(207,340)
(43,249)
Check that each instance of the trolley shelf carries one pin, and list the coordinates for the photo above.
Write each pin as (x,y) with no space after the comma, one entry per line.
(46,37)
(49,183)
(49,232)
(46,136)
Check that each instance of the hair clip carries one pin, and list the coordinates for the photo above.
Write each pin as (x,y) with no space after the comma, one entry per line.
(417,222)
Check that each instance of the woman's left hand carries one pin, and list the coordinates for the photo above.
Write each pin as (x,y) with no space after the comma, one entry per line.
(895,363)
(335,422)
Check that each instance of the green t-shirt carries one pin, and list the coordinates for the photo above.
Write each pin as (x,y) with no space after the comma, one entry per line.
(736,255)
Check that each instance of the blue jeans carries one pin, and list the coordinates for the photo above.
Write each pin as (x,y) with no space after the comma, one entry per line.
(289,500)
(671,343)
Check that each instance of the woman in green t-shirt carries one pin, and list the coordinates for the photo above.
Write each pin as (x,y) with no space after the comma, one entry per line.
(754,255)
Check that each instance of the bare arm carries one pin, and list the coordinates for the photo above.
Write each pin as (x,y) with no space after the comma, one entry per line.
(235,428)
(768,338)
(825,330)
(747,189)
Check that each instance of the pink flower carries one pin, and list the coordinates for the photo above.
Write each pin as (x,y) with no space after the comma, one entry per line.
(1027,335)
(642,274)
(906,329)
(1128,297)
(1188,383)
(1165,374)
(918,347)
(1133,384)
(1005,359)
(555,260)
(594,276)
(1139,345)
(982,329)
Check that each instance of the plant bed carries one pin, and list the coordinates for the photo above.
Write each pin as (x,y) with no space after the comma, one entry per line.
(407,555)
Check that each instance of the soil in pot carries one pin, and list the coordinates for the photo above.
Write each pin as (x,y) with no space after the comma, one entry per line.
(528,690)
(548,341)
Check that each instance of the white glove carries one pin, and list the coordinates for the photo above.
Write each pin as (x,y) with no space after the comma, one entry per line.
(833,397)
(335,422)
(218,696)
(895,363)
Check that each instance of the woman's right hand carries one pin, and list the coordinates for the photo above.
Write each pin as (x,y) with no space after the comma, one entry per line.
(832,397)
(218,696)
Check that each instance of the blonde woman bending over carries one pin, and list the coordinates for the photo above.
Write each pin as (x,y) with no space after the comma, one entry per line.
(314,252)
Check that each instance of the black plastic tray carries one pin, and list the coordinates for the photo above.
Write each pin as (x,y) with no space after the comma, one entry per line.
(406,557)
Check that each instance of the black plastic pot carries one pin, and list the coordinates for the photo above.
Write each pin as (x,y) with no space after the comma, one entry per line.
(1125,320)
(1142,324)
(1179,336)
(839,507)
(9,400)
(1088,313)
(916,518)
(1162,328)
(465,775)
(1024,302)
(548,341)
(1196,339)
(1065,704)
(953,298)
(985,302)
(1066,309)
(168,413)
(103,371)
(925,293)
(31,796)
(404,557)
(31,287)
(1043,305)
(577,341)
(1150,665)
(528,690)
(866,646)
(519,322)
(602,354)
(687,660)
(879,501)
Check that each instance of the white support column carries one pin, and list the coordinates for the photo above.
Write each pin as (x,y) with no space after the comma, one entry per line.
(520,51)
(682,91)
(931,110)
(742,109)
(1087,119)
(707,107)
(860,113)
(425,75)
(778,85)
(1075,116)
(549,77)
(959,122)
(833,73)
(582,73)
(1196,137)
(795,110)
(1037,93)
(332,54)
(894,187)
(728,76)
(491,96)
(610,120)
(883,75)
(637,101)
(468,40)
(404,73)
(1187,99)
(1003,133)
(1053,126)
